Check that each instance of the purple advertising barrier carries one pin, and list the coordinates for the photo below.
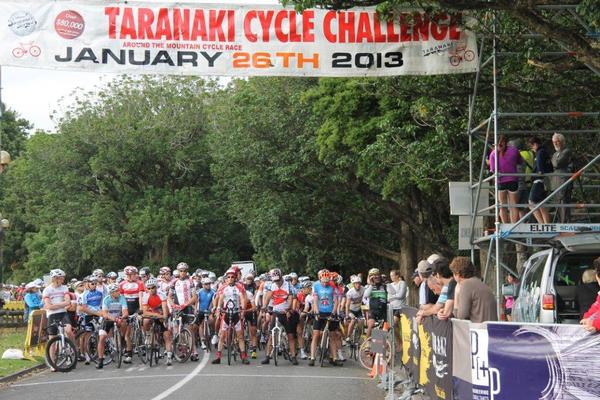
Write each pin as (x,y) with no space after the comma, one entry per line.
(534,361)
(436,358)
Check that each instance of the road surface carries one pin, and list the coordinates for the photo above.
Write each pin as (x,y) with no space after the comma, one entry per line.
(200,380)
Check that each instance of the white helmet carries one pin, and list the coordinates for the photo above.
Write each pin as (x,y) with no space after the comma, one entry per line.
(111,275)
(98,272)
(293,275)
(206,281)
(113,287)
(212,276)
(182,266)
(150,283)
(176,273)
(56,273)
(303,279)
(355,279)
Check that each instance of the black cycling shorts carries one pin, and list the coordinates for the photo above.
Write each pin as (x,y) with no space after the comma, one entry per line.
(321,321)
(107,326)
(87,322)
(54,319)
(377,314)
(251,318)
(283,321)
(356,314)
(133,306)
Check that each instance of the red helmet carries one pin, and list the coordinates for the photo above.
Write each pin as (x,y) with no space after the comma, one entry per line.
(232,271)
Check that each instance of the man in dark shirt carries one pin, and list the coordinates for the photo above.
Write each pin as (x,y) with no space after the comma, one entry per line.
(542,166)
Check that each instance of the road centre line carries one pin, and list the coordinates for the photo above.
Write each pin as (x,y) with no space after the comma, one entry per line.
(184,380)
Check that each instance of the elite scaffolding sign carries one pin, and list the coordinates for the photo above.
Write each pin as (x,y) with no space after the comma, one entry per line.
(230,40)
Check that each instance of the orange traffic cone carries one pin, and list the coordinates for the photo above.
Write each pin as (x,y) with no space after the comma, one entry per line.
(386,326)
(375,367)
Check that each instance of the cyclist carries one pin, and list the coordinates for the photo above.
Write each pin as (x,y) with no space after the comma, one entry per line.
(324,305)
(234,292)
(376,293)
(165,280)
(100,285)
(338,284)
(56,299)
(301,305)
(279,294)
(183,298)
(131,288)
(112,277)
(354,298)
(114,312)
(90,306)
(155,306)
(250,316)
(294,281)
(205,299)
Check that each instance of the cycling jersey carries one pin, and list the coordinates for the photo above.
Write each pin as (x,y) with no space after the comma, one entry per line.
(205,298)
(324,296)
(355,298)
(131,290)
(280,297)
(183,290)
(164,286)
(114,307)
(56,296)
(154,301)
(233,293)
(92,299)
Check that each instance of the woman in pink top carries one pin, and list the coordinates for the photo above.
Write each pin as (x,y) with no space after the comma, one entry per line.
(508,186)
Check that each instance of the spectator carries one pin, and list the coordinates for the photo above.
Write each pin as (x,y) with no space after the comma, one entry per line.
(510,300)
(426,295)
(538,193)
(475,299)
(587,291)
(591,319)
(526,167)
(508,186)
(439,280)
(562,162)
(396,297)
(5,294)
(32,300)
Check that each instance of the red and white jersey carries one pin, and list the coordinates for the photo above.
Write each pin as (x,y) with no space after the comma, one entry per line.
(163,286)
(56,296)
(131,290)
(183,289)
(154,301)
(279,299)
(233,293)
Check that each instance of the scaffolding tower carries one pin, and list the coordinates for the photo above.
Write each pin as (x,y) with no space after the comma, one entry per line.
(522,234)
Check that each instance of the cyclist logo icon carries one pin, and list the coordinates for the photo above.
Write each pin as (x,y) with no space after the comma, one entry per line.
(27,48)
(458,52)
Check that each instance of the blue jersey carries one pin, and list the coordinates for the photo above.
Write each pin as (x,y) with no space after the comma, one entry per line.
(205,298)
(92,299)
(323,294)
(114,307)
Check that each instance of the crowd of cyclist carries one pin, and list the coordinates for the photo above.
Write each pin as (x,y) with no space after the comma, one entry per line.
(110,301)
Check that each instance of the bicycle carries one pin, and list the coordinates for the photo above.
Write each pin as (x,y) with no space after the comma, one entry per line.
(354,337)
(279,340)
(92,344)
(206,334)
(137,338)
(61,352)
(231,344)
(366,357)
(323,349)
(307,332)
(154,342)
(182,337)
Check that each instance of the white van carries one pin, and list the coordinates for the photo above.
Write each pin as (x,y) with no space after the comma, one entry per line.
(548,287)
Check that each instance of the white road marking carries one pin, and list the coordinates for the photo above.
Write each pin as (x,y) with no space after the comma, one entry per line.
(96,379)
(170,367)
(141,369)
(129,369)
(185,380)
(285,376)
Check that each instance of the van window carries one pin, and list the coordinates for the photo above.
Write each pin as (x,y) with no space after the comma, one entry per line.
(530,297)
(567,284)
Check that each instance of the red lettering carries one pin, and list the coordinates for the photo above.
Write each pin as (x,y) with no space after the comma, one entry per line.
(231,25)
(378,36)
(404,34)
(128,25)
(421,26)
(248,26)
(392,36)
(112,13)
(346,26)
(199,27)
(145,20)
(439,29)
(215,25)
(265,19)
(330,36)
(294,37)
(181,24)
(163,25)
(308,26)
(455,21)
(364,28)
(279,17)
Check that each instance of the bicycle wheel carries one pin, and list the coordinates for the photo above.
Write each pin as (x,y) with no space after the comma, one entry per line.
(151,349)
(91,347)
(355,342)
(365,356)
(61,355)
(229,344)
(182,345)
(324,347)
(138,340)
(207,337)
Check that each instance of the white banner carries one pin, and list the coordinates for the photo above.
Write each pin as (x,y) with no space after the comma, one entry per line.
(229,40)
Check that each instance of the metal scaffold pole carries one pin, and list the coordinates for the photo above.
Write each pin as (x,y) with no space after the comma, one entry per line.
(496,162)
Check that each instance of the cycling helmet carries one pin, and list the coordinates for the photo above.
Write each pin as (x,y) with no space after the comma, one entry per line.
(182,266)
(231,271)
(293,275)
(145,271)
(275,274)
(164,270)
(176,273)
(339,279)
(150,283)
(113,287)
(355,279)
(287,278)
(130,269)
(93,279)
(204,273)
(306,284)
(98,272)
(374,271)
(249,275)
(212,276)
(111,275)
(56,273)
(120,279)
(206,281)
(235,268)
(303,279)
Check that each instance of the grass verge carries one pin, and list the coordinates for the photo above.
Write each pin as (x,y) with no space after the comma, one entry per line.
(13,338)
